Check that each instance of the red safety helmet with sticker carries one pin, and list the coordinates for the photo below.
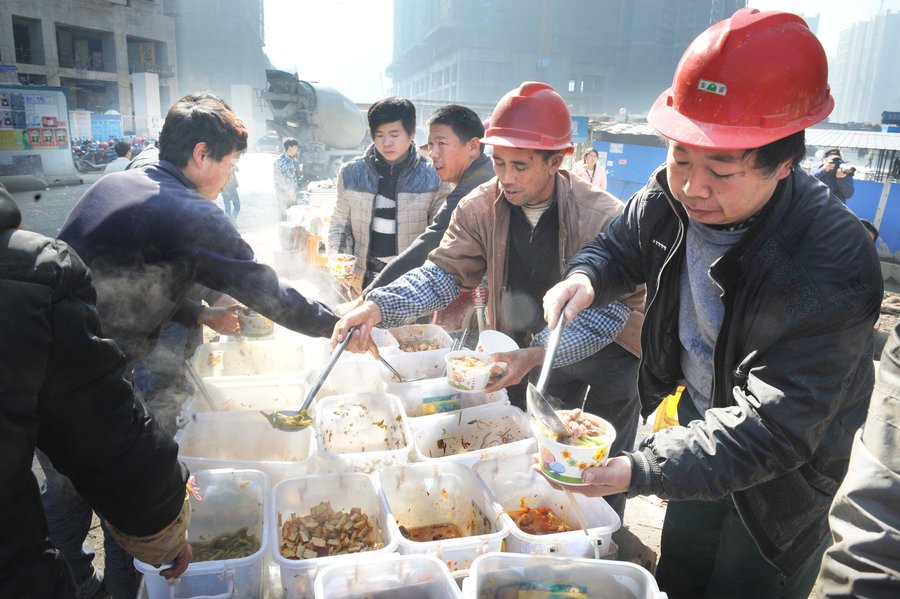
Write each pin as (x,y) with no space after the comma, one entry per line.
(531,117)
(747,81)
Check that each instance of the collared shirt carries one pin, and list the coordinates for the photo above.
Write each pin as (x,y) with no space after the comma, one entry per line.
(425,289)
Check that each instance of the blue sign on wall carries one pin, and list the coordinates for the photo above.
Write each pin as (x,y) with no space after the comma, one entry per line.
(628,166)
(106,126)
(579,129)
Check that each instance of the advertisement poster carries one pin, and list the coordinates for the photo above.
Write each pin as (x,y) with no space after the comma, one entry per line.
(32,119)
(80,125)
(34,122)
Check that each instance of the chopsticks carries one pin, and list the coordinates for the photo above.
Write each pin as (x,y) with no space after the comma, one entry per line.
(457,345)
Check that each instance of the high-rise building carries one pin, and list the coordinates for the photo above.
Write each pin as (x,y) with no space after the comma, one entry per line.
(138,56)
(220,49)
(599,54)
(864,76)
(95,49)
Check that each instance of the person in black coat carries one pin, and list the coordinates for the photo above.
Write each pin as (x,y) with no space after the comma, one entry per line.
(63,392)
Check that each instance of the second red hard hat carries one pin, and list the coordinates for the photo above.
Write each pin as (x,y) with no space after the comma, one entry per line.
(747,81)
(531,117)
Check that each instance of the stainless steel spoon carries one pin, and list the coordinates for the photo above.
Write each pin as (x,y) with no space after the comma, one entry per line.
(297,420)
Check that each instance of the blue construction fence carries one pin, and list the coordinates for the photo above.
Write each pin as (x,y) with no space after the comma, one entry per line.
(628,166)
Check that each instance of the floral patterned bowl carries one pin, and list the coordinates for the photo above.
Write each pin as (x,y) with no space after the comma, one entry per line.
(566,462)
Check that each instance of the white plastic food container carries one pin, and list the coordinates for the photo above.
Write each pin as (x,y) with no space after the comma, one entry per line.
(388,577)
(420,495)
(232,499)
(513,485)
(497,575)
(250,393)
(362,432)
(344,492)
(417,364)
(472,434)
(435,396)
(244,440)
(232,361)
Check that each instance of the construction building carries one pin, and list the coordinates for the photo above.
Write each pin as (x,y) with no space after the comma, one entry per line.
(601,55)
(136,57)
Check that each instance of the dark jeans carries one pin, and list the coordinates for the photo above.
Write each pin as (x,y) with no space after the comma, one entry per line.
(604,384)
(706,551)
(69,520)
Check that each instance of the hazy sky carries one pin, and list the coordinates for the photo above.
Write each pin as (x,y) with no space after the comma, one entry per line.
(835,16)
(347,44)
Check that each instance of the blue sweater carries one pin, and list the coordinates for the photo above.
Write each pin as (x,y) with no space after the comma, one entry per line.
(148,236)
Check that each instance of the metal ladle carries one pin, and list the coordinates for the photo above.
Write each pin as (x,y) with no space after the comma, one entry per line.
(297,420)
(537,400)
(541,408)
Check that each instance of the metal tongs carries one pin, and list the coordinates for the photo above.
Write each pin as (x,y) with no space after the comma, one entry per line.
(297,420)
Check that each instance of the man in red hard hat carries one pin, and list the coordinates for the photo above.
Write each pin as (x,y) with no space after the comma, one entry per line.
(519,229)
(762,294)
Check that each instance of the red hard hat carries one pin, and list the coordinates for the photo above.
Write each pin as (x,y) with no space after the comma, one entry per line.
(138,140)
(745,82)
(104,145)
(531,117)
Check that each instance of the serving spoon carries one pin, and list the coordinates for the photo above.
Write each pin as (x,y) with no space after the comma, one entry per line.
(297,420)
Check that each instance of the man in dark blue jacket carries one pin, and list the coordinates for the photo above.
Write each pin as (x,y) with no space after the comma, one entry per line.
(762,294)
(149,234)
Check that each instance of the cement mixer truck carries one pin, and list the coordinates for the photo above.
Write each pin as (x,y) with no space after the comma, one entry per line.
(329,127)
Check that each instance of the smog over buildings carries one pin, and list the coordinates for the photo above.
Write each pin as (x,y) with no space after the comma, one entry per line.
(119,64)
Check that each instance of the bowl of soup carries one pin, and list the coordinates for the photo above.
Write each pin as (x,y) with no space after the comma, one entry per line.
(254,324)
(342,266)
(468,370)
(564,460)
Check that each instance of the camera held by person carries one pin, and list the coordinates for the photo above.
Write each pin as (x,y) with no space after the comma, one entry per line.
(839,179)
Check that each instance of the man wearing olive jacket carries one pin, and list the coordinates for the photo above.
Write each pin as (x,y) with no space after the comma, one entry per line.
(63,392)
(762,294)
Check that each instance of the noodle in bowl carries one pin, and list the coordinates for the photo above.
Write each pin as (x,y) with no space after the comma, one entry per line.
(588,448)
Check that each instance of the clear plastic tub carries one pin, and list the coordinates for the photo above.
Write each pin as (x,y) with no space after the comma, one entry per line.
(384,340)
(499,575)
(513,485)
(473,434)
(435,396)
(232,500)
(416,364)
(388,577)
(245,440)
(250,393)
(232,361)
(422,495)
(362,432)
(344,492)
(351,374)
